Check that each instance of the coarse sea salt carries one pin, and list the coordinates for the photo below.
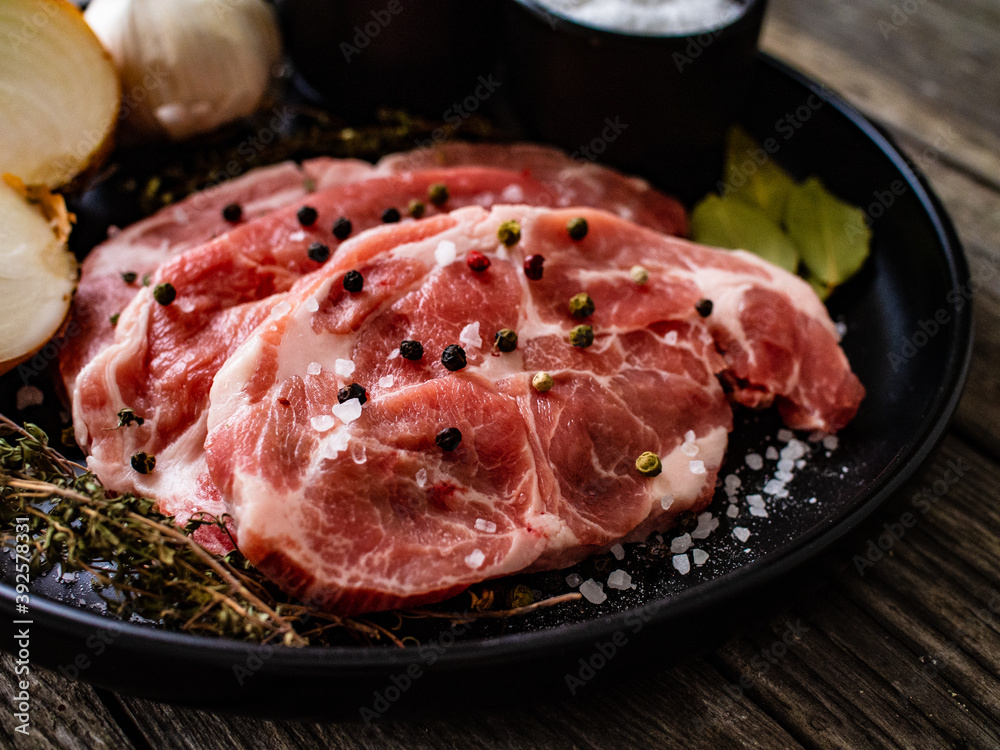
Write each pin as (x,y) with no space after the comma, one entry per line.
(348,411)
(732,511)
(483,525)
(756,510)
(334,445)
(773,487)
(742,533)
(755,461)
(671,338)
(682,564)
(697,467)
(689,449)
(574,579)
(422,478)
(386,381)
(470,336)
(784,435)
(29,395)
(700,556)
(395,354)
(707,523)
(312,305)
(689,436)
(771,454)
(619,579)
(830,442)
(475,559)
(732,483)
(618,551)
(359,453)
(666,501)
(512,194)
(322,423)
(344,368)
(757,500)
(593,591)
(282,308)
(681,544)
(445,253)
(314,368)
(297,236)
(795,450)
(841,328)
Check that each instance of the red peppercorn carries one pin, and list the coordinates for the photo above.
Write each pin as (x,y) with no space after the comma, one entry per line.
(533,267)
(477,261)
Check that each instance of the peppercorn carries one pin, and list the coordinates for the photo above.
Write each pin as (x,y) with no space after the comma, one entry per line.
(448,439)
(542,382)
(342,228)
(581,336)
(438,194)
(127,417)
(577,228)
(509,233)
(477,261)
(114,318)
(581,305)
(143,462)
(704,307)
(505,340)
(533,266)
(412,350)
(129,277)
(352,391)
(686,522)
(319,252)
(649,464)
(453,357)
(639,275)
(391,216)
(353,281)
(416,209)
(307,216)
(146,279)
(232,213)
(164,293)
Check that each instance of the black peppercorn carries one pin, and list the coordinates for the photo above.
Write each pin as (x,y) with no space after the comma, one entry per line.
(307,216)
(129,277)
(342,228)
(449,439)
(505,340)
(143,463)
(704,307)
(353,281)
(232,213)
(352,391)
(319,252)
(453,357)
(412,350)
(391,215)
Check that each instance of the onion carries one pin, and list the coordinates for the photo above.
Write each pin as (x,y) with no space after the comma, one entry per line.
(59,93)
(37,272)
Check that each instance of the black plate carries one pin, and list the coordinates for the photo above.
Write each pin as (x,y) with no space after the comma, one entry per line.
(916,274)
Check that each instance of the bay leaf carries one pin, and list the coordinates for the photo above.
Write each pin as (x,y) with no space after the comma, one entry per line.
(737,225)
(752,175)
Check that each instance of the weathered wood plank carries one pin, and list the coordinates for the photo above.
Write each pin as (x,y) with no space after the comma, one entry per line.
(686,706)
(63,714)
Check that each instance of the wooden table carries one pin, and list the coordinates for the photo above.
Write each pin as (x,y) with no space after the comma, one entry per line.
(907,655)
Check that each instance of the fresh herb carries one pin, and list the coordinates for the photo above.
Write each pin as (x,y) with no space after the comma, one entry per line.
(732,223)
(353,282)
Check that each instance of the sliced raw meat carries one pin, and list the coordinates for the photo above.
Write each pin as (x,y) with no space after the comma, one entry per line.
(142,247)
(358,507)
(163,359)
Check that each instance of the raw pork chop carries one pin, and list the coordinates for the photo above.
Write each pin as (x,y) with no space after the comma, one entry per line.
(358,508)
(164,358)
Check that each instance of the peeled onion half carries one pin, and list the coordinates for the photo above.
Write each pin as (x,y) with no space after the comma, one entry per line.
(37,272)
(59,93)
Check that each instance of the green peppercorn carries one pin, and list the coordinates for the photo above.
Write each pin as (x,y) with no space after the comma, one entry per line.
(453,358)
(416,209)
(127,417)
(342,228)
(581,306)
(164,293)
(505,340)
(438,194)
(412,350)
(542,382)
(143,463)
(581,336)
(146,279)
(704,307)
(353,281)
(649,464)
(509,233)
(577,228)
(354,390)
(114,318)
(639,275)
(319,252)
(449,438)
(129,277)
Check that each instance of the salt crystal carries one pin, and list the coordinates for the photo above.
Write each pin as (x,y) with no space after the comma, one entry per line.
(395,354)
(732,511)
(811,501)
(795,449)
(618,551)
(282,308)
(344,368)
(29,395)
(671,338)
(483,525)
(314,368)
(312,304)
(682,564)
(844,469)
(757,500)
(697,467)
(512,194)
(620,580)
(800,464)
(470,336)
(445,253)
(733,483)
(348,411)
(422,478)
(297,236)
(593,591)
(831,442)
(773,487)
(700,556)
(707,523)
(755,461)
(185,305)
(786,464)
(741,533)
(666,501)
(771,454)
(689,449)
(475,559)
(359,453)
(783,476)
(681,544)
(334,445)
(322,423)
(386,381)
(689,436)
(841,328)
(785,435)
(758,511)
(574,579)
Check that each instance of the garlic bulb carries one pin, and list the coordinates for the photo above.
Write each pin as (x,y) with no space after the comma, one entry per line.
(188,66)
